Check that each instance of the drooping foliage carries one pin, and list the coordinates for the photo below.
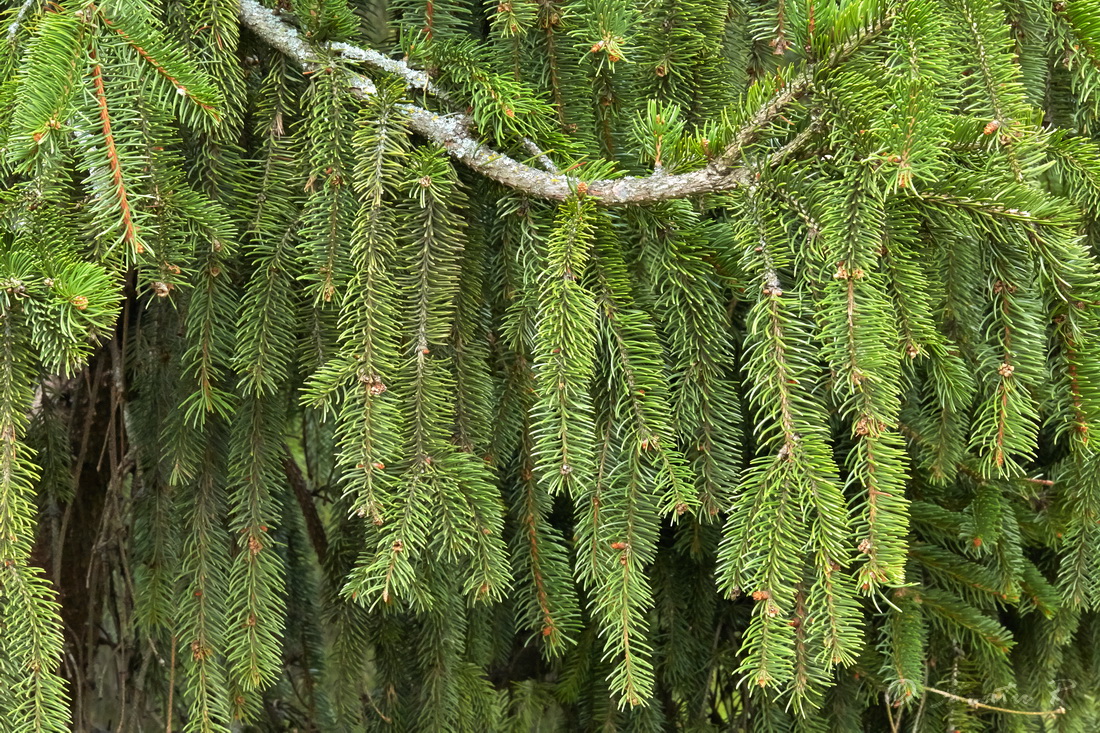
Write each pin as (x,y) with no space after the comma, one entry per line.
(441,365)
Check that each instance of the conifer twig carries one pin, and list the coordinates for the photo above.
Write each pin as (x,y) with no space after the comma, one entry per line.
(976,704)
(419,79)
(129,229)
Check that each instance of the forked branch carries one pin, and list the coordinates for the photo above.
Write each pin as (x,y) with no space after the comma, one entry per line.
(453,131)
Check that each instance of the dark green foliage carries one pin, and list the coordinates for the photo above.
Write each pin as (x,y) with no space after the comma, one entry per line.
(366,440)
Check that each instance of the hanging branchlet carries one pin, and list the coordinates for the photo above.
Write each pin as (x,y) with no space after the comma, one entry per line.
(686,297)
(1006,426)
(156,544)
(440,485)
(792,488)
(546,599)
(330,206)
(200,621)
(641,475)
(564,354)
(211,316)
(264,347)
(357,384)
(858,333)
(29,611)
(641,398)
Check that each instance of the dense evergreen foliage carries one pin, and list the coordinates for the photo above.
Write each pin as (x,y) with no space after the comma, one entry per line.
(550,365)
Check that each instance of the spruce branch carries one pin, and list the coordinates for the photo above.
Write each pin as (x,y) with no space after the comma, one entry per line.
(165,70)
(453,132)
(419,79)
(829,382)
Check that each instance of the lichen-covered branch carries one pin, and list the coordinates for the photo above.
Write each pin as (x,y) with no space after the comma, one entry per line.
(452,132)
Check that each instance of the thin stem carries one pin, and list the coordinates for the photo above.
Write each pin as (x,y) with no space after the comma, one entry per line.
(171,687)
(976,704)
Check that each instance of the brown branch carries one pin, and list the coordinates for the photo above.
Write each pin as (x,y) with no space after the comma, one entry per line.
(171,687)
(314,528)
(160,69)
(129,230)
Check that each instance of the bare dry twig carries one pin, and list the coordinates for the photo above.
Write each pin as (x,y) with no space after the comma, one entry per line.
(981,705)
